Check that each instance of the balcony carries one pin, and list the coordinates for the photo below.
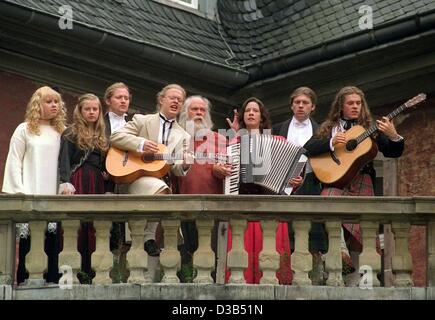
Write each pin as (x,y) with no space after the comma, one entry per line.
(399,212)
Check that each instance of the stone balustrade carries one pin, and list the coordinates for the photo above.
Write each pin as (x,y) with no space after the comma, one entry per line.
(400,212)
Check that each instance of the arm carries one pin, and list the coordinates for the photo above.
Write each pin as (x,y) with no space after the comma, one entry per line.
(65,155)
(389,142)
(316,146)
(389,148)
(128,137)
(13,176)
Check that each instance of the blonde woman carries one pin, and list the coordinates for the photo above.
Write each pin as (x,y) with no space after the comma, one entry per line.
(31,165)
(81,164)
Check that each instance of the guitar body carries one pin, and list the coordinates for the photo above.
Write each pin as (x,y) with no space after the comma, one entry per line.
(127,166)
(339,175)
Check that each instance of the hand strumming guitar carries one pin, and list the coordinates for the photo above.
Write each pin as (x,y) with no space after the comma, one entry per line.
(150,147)
(339,137)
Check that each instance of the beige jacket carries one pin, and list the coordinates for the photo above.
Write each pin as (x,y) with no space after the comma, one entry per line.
(147,126)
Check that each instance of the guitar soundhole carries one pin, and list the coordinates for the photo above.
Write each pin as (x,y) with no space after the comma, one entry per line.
(351,145)
(147,158)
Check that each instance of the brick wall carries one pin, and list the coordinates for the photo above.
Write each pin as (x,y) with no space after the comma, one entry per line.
(15,93)
(417,165)
(416,175)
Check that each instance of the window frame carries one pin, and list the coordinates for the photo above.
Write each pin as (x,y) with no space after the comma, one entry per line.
(193,5)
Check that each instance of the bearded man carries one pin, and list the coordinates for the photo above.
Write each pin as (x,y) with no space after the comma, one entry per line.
(205,176)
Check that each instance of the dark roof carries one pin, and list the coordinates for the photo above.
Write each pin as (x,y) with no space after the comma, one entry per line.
(259,30)
(262,38)
(146,22)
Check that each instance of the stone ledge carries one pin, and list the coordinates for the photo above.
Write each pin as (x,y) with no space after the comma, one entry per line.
(79,292)
(5,292)
(211,292)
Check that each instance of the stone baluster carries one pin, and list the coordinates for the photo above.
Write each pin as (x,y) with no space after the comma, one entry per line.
(431,253)
(237,257)
(69,255)
(334,264)
(137,258)
(170,257)
(269,257)
(204,257)
(402,262)
(7,252)
(302,260)
(36,259)
(102,258)
(369,256)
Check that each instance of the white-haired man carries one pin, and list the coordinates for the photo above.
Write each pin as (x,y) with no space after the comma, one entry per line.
(205,176)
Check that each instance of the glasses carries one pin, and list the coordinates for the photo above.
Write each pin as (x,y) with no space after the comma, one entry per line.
(174,98)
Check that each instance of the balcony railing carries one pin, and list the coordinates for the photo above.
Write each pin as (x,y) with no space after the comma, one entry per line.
(205,210)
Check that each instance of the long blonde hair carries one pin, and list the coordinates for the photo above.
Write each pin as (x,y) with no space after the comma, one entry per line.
(86,136)
(336,112)
(34,110)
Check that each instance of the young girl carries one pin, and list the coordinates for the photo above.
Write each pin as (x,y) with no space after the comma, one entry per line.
(81,164)
(31,165)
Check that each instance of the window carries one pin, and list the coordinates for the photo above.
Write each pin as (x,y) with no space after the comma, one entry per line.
(190,3)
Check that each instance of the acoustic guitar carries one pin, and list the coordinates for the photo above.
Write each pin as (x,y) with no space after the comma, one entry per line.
(126,167)
(337,168)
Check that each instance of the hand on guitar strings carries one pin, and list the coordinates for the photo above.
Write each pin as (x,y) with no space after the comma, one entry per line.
(340,137)
(150,147)
(387,127)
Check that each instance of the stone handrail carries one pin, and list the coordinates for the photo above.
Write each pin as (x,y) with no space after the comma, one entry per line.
(401,212)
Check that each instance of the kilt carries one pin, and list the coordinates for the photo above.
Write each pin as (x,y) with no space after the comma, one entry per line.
(361,185)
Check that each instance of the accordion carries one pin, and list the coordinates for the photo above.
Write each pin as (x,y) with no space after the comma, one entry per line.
(266,161)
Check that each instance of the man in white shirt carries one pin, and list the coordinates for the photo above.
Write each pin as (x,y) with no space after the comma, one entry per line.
(117,98)
(298,130)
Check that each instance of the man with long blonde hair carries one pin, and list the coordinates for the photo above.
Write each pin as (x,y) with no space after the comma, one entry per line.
(350,108)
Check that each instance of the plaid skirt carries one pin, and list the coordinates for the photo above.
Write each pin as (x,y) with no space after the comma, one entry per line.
(361,185)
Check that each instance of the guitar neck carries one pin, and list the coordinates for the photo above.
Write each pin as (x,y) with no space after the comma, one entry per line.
(372,129)
(170,157)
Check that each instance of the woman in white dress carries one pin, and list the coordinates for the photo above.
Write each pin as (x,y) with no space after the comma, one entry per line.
(31,165)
